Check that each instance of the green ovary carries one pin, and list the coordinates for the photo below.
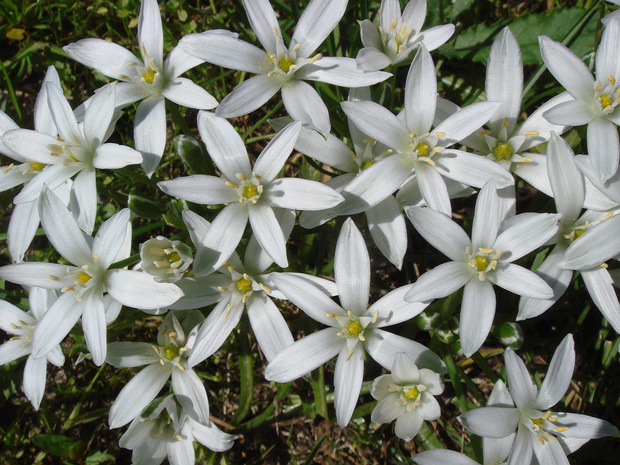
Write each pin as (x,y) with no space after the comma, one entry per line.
(243,285)
(411,393)
(605,101)
(423,149)
(480,263)
(502,151)
(249,191)
(354,328)
(84,277)
(149,76)
(285,64)
(367,163)
(171,352)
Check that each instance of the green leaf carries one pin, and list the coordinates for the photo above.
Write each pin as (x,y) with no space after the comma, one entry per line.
(61,446)
(144,208)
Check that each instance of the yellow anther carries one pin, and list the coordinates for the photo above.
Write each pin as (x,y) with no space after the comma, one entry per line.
(485,250)
(124,77)
(375,317)
(368,140)
(607,216)
(411,393)
(149,76)
(332,315)
(394,23)
(531,133)
(285,64)
(561,429)
(505,123)
(172,334)
(354,328)
(14,326)
(37,166)
(231,184)
(296,47)
(8,168)
(422,148)
(349,355)
(526,160)
(440,134)
(264,288)
(318,56)
(612,80)
(83,278)
(484,133)
(605,101)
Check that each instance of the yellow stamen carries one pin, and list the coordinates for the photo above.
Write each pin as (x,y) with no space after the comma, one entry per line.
(354,328)
(285,64)
(83,278)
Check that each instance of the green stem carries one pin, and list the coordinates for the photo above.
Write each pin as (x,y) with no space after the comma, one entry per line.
(246,373)
(318,388)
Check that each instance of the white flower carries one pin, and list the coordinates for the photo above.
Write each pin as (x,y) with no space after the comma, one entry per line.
(407,396)
(151,79)
(479,263)
(165,259)
(79,149)
(21,325)
(415,147)
(165,430)
(354,327)
(25,216)
(398,35)
(90,289)
(251,193)
(588,253)
(166,359)
(279,67)
(594,101)
(546,435)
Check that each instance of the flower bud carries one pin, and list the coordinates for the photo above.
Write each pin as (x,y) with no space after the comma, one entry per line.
(511,335)
(165,259)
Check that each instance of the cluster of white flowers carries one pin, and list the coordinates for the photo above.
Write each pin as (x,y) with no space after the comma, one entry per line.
(414,163)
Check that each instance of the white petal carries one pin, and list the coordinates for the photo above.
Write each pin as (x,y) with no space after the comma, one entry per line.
(433,188)
(442,233)
(559,375)
(515,278)
(99,114)
(109,239)
(150,33)
(442,457)
(137,394)
(22,229)
(10,316)
(570,113)
(301,194)
(487,218)
(35,373)
(178,60)
(248,96)
(607,54)
(566,180)
(35,274)
(595,246)
(224,145)
(393,308)
(30,145)
(371,59)
(221,239)
(210,436)
(567,68)
(225,50)
(603,147)
(150,131)
(12,350)
(63,115)
(83,204)
(318,19)
(584,426)
(140,290)
(184,92)
(526,235)
(379,123)
(305,294)
(600,286)
(440,282)
(421,93)
(504,80)
(609,189)
(51,177)
(477,313)
(272,159)
(471,169)
(491,422)
(304,355)
(341,71)
(131,354)
(408,425)
(388,409)
(304,104)
(269,326)
(56,323)
(200,188)
(465,121)
(369,34)
(113,156)
(435,37)
(522,450)
(383,347)
(550,453)
(62,230)
(520,383)
(388,230)
(192,395)
(348,376)
(268,232)
(94,326)
(215,330)
(352,269)
(264,23)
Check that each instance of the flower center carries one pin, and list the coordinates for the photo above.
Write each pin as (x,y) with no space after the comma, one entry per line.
(354,328)
(37,166)
(367,163)
(542,427)
(483,261)
(249,189)
(285,63)
(244,285)
(171,352)
(423,149)
(411,393)
(502,151)
(605,101)
(83,277)
(149,76)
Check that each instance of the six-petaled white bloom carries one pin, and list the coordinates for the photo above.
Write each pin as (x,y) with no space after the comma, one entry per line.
(407,396)
(540,432)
